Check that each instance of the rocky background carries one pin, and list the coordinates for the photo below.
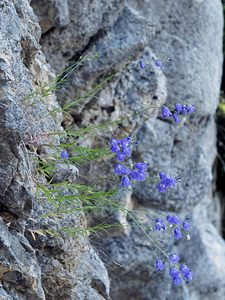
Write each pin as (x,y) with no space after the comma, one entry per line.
(39,39)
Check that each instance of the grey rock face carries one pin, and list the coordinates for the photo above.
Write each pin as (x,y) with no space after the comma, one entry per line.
(65,172)
(44,267)
(191,33)
(52,13)
(100,280)
(19,271)
(128,36)
(87,19)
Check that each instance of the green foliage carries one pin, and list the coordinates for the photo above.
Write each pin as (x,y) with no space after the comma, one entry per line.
(222,107)
(65,199)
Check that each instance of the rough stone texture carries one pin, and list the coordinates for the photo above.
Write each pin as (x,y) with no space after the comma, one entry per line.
(68,268)
(87,19)
(51,13)
(65,173)
(19,271)
(44,268)
(191,33)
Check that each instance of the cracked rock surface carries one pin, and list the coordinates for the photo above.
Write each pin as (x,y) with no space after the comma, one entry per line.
(44,267)
(41,38)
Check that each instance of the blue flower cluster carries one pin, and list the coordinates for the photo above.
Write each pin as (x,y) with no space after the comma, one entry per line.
(186,273)
(158,63)
(159,265)
(166,181)
(124,144)
(142,65)
(178,108)
(172,220)
(64,155)
(159,224)
(174,273)
(174,258)
(121,148)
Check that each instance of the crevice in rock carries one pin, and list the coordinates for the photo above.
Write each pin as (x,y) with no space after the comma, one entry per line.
(45,171)
(99,286)
(46,33)
(169,121)
(220,165)
(109,109)
(10,219)
(92,41)
(25,54)
(5,213)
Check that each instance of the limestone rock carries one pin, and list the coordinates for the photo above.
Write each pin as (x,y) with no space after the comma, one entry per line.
(34,266)
(19,271)
(190,32)
(186,32)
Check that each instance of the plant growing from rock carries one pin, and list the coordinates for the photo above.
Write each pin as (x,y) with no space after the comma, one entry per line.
(65,198)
